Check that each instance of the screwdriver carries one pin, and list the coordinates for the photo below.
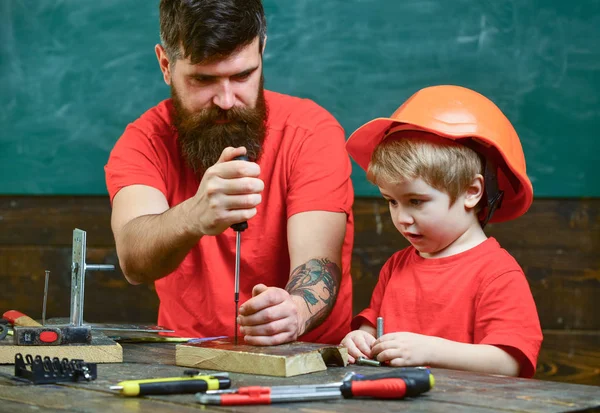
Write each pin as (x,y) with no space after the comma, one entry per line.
(173,385)
(238,228)
(390,387)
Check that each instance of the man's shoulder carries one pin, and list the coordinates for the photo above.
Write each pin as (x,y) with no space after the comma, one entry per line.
(286,110)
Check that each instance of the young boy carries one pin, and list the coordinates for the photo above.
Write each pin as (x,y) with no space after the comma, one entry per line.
(447,161)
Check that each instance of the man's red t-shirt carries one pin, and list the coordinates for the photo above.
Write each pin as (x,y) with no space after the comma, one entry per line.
(479,296)
(304,166)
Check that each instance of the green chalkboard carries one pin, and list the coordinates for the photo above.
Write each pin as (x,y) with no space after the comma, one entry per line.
(73,73)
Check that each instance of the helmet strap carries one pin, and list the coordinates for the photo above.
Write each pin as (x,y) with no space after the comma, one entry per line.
(493,195)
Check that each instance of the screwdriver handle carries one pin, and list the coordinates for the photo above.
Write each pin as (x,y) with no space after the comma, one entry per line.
(379,389)
(240,226)
(390,388)
(173,385)
(421,375)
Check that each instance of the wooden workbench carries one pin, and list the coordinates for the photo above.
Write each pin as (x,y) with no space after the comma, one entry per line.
(454,391)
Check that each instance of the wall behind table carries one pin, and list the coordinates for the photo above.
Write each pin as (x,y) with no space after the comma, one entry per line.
(73,73)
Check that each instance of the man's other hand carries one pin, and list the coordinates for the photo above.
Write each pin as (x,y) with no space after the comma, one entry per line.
(270,317)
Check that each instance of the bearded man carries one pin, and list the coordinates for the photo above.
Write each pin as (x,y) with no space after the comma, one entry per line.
(176,188)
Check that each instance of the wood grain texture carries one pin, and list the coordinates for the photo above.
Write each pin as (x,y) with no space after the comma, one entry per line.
(570,356)
(101,350)
(50,220)
(22,276)
(285,360)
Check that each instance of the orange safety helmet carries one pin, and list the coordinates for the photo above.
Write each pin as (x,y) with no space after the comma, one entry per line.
(471,119)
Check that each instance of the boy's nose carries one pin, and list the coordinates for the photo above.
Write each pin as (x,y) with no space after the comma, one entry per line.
(403,218)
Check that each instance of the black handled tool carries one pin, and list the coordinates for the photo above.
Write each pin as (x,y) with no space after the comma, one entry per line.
(238,228)
(174,385)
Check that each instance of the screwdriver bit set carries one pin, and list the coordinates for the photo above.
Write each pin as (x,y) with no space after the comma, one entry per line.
(45,370)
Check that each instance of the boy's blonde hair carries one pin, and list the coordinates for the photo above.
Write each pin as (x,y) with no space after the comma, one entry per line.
(442,163)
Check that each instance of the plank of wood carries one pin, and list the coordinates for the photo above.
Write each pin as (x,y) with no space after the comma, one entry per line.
(284,360)
(101,350)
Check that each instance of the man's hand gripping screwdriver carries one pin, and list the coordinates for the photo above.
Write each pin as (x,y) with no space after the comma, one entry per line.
(238,228)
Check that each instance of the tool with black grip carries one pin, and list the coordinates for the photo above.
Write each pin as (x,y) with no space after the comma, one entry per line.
(238,228)
(190,383)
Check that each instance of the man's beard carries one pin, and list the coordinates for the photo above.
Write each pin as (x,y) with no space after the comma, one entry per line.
(202,138)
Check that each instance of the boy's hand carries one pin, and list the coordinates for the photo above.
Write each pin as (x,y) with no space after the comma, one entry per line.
(405,349)
(358,343)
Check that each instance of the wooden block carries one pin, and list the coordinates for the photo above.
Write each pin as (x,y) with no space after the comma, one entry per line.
(101,350)
(285,360)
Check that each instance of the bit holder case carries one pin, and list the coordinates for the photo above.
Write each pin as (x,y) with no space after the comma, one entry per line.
(47,370)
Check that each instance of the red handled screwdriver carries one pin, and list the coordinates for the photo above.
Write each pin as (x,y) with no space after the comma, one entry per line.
(384,388)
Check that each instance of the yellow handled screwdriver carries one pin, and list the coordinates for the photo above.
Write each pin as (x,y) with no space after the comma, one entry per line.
(173,385)
(238,228)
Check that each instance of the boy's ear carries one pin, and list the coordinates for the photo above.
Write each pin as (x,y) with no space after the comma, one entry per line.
(474,192)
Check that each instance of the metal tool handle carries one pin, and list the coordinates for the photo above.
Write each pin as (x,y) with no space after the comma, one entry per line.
(99,267)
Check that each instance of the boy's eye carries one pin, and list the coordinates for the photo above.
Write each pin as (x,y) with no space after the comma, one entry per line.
(416,202)
(392,202)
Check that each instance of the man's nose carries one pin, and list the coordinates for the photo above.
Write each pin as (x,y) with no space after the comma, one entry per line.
(224,97)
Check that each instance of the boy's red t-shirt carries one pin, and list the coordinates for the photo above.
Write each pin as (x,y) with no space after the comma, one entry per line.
(304,166)
(479,296)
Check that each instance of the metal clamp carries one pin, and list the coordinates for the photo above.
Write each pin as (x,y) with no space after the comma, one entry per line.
(78,271)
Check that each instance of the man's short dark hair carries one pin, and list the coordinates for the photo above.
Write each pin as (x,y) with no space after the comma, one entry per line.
(207,30)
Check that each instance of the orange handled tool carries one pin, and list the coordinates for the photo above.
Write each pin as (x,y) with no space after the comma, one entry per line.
(17,318)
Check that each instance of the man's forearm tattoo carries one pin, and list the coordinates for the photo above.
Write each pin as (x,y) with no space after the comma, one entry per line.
(317,282)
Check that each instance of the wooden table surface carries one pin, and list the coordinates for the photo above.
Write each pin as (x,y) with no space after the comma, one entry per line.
(454,391)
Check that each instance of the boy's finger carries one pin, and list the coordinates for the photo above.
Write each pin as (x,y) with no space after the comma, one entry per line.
(364,348)
(353,351)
